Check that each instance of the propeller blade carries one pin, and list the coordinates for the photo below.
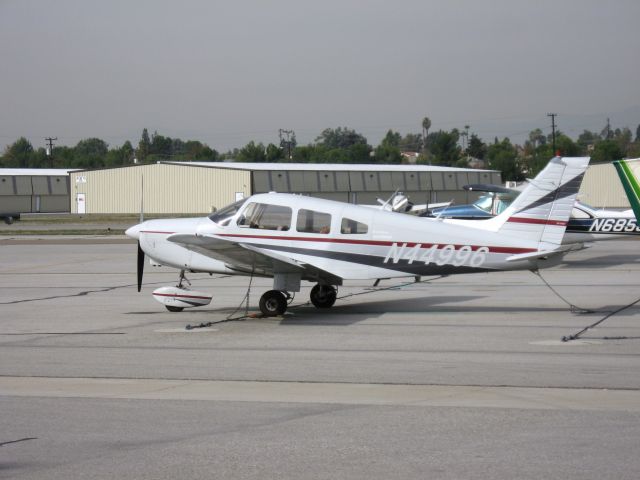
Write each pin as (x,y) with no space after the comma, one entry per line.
(140,266)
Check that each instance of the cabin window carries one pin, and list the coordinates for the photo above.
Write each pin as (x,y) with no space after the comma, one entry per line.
(310,221)
(353,226)
(266,217)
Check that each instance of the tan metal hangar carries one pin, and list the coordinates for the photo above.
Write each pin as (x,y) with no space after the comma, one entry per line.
(201,187)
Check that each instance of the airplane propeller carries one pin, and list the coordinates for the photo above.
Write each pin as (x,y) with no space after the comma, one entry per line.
(140,265)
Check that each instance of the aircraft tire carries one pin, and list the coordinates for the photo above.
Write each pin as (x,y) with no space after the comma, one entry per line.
(174,309)
(323,296)
(273,303)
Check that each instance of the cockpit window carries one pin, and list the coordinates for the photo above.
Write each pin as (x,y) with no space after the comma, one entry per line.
(494,203)
(484,203)
(266,217)
(310,221)
(353,226)
(226,213)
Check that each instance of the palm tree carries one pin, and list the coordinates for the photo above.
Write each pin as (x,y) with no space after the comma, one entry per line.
(426,125)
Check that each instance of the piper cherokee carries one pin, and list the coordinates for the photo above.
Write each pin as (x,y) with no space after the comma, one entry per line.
(294,238)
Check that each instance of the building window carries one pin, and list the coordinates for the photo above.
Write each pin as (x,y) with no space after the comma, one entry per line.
(352,226)
(310,221)
(266,217)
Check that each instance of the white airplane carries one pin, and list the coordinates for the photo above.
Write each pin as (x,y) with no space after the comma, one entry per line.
(293,238)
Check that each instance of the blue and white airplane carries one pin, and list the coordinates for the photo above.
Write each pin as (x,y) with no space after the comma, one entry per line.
(294,238)
(586,224)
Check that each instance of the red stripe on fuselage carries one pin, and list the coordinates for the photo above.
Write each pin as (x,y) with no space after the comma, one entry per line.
(177,295)
(378,243)
(537,221)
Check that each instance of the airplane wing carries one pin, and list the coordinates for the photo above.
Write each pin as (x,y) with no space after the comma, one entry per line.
(249,258)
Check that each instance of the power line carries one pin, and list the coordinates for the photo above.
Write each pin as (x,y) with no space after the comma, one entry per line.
(288,142)
(50,149)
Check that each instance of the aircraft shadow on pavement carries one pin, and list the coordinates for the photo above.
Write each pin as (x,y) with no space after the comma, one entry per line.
(352,313)
(601,261)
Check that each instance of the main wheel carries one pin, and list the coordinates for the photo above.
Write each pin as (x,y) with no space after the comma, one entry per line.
(273,303)
(323,296)
(174,309)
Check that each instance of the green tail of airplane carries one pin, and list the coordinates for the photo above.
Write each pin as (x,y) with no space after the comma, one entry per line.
(629,173)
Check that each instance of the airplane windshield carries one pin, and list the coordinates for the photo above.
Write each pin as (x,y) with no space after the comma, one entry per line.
(484,203)
(226,212)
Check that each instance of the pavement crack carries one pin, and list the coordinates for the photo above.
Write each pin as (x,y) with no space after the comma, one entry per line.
(2,444)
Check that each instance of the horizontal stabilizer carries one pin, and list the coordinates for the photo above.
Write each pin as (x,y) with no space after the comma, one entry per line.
(545,253)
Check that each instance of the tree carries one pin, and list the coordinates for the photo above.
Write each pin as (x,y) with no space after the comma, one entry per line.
(566,146)
(502,156)
(606,151)
(587,139)
(340,138)
(426,125)
(117,157)
(18,154)
(143,146)
(411,142)
(391,139)
(623,138)
(443,147)
(477,148)
(90,153)
(252,152)
(161,146)
(387,154)
(274,154)
(537,138)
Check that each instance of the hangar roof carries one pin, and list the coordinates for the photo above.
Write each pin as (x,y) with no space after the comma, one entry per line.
(351,167)
(48,172)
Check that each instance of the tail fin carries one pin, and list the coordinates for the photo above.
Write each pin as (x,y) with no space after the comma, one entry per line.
(541,212)
(629,173)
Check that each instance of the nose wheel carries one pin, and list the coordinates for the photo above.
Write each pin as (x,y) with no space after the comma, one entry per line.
(273,303)
(323,296)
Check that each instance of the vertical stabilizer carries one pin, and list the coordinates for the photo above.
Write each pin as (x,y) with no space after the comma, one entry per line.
(629,173)
(541,212)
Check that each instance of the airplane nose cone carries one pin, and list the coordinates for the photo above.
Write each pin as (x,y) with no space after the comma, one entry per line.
(134,232)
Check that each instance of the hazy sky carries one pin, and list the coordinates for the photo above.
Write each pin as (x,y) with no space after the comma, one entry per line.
(227,72)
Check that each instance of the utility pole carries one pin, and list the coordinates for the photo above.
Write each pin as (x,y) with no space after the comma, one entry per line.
(50,150)
(608,129)
(553,130)
(286,143)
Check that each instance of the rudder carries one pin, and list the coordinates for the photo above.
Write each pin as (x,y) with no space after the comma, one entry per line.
(541,212)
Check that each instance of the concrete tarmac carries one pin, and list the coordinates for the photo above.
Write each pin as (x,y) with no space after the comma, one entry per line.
(457,377)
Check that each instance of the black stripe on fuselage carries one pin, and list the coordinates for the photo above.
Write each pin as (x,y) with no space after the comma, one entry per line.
(403,265)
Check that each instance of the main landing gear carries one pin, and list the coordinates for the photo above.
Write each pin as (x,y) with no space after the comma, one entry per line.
(274,302)
(323,296)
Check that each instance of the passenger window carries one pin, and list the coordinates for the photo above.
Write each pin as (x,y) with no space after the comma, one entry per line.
(266,217)
(310,221)
(353,226)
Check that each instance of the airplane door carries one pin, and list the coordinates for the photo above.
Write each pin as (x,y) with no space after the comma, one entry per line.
(81,204)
